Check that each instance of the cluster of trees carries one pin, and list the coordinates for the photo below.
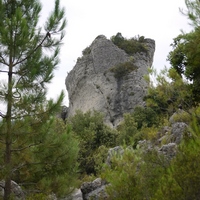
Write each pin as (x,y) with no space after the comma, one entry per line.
(44,155)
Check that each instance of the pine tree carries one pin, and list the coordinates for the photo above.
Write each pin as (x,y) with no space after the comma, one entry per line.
(23,57)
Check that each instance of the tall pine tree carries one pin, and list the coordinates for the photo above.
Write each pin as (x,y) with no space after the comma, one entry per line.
(26,119)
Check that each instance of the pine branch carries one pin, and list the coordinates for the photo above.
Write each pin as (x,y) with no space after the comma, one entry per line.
(47,35)
(23,148)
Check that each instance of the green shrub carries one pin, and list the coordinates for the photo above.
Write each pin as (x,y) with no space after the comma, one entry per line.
(92,133)
(130,46)
(123,69)
(86,51)
(145,116)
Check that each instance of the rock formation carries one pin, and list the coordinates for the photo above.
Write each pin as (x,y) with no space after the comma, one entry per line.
(95,82)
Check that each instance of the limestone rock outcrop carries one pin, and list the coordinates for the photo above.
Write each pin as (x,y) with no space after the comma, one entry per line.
(93,85)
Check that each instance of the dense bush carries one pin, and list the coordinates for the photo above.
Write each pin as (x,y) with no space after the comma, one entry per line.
(130,46)
(50,164)
(92,133)
(167,93)
(86,51)
(139,174)
(122,69)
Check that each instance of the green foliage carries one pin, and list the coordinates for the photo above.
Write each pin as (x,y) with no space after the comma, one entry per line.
(47,158)
(122,69)
(184,57)
(182,180)
(134,175)
(136,126)
(26,122)
(130,46)
(147,174)
(123,176)
(182,116)
(145,116)
(37,196)
(100,156)
(127,130)
(169,91)
(92,134)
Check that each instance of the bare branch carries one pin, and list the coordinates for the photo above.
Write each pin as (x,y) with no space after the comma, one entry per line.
(2,115)
(3,60)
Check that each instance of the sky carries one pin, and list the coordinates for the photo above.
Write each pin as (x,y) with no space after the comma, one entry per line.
(160,20)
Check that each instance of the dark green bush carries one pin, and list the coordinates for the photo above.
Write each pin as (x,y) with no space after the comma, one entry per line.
(86,51)
(123,69)
(92,133)
(130,46)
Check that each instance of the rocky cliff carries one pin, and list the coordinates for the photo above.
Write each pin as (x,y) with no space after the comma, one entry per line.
(108,79)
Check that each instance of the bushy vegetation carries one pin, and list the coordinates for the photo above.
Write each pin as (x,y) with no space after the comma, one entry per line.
(45,155)
(185,56)
(130,46)
(86,51)
(122,69)
(94,137)
(139,174)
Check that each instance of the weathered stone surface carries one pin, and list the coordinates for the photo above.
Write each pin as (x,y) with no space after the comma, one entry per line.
(177,132)
(180,116)
(98,194)
(169,150)
(94,190)
(91,84)
(16,190)
(113,151)
(76,195)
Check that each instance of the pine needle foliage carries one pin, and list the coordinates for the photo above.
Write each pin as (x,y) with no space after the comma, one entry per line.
(29,54)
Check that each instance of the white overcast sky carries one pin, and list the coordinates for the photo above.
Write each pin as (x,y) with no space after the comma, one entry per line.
(86,19)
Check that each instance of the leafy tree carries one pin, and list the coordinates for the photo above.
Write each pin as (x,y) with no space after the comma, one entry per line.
(29,67)
(184,57)
(167,93)
(94,136)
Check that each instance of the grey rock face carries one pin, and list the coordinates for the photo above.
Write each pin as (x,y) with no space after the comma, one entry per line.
(94,190)
(169,150)
(91,84)
(76,195)
(16,190)
(177,132)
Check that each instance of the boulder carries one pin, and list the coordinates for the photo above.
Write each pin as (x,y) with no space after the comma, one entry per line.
(94,190)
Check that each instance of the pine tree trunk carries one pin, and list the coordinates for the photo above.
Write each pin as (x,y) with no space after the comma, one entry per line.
(7,189)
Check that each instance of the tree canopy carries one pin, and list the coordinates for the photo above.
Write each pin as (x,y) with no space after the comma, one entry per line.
(30,143)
